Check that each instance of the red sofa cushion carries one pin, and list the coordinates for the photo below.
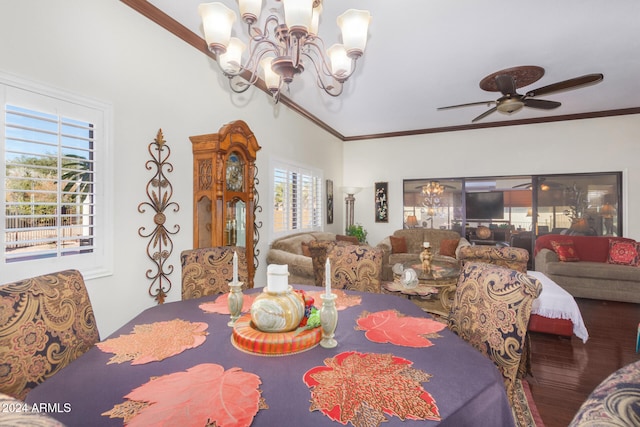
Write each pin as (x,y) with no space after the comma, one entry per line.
(589,248)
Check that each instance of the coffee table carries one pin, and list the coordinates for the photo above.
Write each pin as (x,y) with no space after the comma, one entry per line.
(435,290)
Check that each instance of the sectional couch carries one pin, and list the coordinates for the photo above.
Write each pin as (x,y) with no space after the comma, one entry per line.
(603,268)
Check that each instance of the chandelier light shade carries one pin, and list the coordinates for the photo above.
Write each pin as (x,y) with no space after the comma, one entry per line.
(286,43)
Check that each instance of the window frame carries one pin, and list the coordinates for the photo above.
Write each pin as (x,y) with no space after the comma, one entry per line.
(317,215)
(40,97)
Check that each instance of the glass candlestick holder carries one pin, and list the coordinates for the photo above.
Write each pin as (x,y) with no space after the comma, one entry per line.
(328,320)
(235,301)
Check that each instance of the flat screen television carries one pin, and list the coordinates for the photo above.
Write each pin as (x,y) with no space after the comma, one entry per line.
(489,205)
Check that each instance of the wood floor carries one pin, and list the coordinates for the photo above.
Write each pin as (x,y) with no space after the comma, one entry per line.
(565,370)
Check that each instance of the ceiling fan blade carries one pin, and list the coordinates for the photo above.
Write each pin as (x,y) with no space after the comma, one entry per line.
(541,104)
(485,114)
(506,84)
(567,84)
(487,103)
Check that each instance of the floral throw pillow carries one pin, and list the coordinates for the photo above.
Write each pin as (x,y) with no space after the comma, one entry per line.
(566,251)
(624,253)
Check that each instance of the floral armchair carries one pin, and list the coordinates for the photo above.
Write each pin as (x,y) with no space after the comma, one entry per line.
(491,310)
(46,322)
(356,267)
(208,271)
(509,257)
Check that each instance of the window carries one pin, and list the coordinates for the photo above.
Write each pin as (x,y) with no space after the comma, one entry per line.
(55,191)
(297,198)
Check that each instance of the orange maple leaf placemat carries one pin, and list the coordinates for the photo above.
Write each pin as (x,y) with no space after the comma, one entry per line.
(343,300)
(203,395)
(155,341)
(354,386)
(395,328)
(221,304)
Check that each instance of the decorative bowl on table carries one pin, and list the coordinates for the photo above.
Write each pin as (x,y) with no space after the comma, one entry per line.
(409,278)
(277,311)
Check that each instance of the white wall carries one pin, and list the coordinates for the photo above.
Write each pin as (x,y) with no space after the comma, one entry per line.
(594,145)
(105,50)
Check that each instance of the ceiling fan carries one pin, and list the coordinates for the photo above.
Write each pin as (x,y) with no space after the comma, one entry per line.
(509,80)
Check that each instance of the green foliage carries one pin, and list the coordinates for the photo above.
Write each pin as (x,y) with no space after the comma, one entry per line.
(358,231)
(314,318)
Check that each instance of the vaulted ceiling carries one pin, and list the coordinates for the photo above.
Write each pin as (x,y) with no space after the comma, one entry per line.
(425,54)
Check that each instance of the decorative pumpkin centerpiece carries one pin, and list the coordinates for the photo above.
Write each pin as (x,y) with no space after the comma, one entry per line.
(277,308)
(282,320)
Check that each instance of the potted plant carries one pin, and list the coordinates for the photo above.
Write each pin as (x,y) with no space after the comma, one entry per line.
(358,231)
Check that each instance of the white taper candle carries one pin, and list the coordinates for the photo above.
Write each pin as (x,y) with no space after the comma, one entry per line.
(235,267)
(327,277)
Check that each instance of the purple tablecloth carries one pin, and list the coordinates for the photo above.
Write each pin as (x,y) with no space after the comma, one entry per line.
(466,386)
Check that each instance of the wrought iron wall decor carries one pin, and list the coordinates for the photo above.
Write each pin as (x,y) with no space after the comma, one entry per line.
(160,246)
(256,224)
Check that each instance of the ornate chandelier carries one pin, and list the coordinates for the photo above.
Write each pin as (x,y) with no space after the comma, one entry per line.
(282,48)
(432,193)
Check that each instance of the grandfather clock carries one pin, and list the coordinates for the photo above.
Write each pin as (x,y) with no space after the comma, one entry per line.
(224,189)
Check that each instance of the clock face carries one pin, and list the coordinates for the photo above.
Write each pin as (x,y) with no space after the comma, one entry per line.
(234,173)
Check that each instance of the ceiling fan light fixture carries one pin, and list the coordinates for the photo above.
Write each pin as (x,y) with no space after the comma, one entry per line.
(510,105)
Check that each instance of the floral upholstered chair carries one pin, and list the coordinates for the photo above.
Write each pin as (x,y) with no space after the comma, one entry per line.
(208,271)
(46,322)
(356,267)
(509,257)
(614,402)
(491,311)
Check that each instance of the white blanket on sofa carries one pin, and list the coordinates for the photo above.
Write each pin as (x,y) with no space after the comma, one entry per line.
(556,303)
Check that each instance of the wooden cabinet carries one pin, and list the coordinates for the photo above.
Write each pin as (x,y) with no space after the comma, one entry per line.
(224,193)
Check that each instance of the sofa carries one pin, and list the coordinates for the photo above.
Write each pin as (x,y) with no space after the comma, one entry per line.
(595,267)
(405,246)
(289,250)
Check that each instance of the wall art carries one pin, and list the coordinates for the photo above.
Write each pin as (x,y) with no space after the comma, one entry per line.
(329,201)
(381,202)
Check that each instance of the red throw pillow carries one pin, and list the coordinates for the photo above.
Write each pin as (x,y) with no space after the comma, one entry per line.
(398,245)
(566,250)
(624,253)
(448,247)
(350,239)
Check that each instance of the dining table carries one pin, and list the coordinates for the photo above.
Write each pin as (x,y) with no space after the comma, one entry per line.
(178,363)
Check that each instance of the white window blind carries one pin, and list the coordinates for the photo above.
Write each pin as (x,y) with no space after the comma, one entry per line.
(54,207)
(297,198)
(49,185)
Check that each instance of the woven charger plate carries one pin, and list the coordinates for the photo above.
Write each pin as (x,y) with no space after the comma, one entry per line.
(246,337)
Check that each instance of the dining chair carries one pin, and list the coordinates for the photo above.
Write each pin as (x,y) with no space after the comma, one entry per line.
(614,402)
(208,271)
(508,257)
(356,267)
(46,322)
(491,310)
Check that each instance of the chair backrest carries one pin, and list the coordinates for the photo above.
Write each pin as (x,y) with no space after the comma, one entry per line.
(356,267)
(491,310)
(46,322)
(208,271)
(509,257)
